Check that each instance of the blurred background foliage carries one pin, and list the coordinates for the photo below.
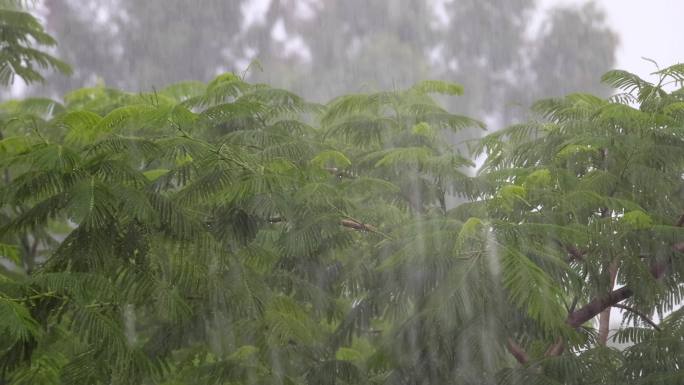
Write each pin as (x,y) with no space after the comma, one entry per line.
(506,53)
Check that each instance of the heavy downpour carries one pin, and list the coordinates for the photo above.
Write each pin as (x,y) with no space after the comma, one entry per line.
(341,192)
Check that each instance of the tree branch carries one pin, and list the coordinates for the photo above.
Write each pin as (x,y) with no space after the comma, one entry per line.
(556,348)
(577,317)
(348,223)
(574,254)
(604,316)
(352,224)
(680,221)
(593,308)
(640,314)
(517,351)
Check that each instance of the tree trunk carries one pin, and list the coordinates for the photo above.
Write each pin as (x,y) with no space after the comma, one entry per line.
(604,317)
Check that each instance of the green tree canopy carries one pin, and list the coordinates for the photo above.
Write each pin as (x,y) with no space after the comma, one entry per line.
(231,232)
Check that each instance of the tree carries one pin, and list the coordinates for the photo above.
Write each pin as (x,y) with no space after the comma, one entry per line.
(341,47)
(488,47)
(232,232)
(142,45)
(589,194)
(20,33)
(353,45)
(560,70)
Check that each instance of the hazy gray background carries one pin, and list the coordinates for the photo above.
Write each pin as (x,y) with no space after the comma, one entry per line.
(507,53)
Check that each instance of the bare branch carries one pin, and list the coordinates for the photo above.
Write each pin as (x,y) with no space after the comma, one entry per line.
(349,223)
(517,351)
(574,254)
(593,308)
(352,224)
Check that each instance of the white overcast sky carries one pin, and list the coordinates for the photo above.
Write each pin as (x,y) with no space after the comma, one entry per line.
(649,28)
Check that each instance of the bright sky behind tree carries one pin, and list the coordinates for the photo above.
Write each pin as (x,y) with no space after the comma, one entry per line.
(646,28)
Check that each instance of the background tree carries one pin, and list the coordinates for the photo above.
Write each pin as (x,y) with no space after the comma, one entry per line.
(559,71)
(485,45)
(140,45)
(324,49)
(352,45)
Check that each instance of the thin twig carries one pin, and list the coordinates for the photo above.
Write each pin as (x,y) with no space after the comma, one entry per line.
(639,313)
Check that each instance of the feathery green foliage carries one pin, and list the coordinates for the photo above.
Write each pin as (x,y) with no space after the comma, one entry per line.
(20,32)
(235,233)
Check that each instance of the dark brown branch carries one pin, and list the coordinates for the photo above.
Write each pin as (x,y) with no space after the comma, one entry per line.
(574,254)
(517,351)
(639,313)
(352,224)
(593,308)
(348,223)
(680,221)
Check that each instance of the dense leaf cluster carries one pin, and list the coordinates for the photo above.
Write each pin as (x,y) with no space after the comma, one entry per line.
(235,233)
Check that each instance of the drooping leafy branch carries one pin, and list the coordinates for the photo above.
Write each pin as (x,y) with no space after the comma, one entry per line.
(20,33)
